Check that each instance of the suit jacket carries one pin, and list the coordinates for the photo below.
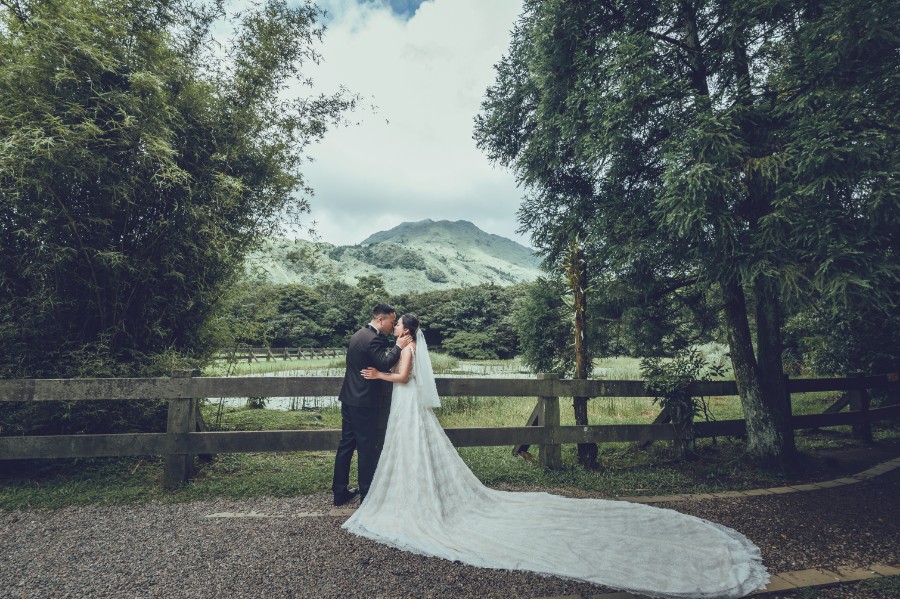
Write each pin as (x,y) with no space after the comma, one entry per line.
(367,348)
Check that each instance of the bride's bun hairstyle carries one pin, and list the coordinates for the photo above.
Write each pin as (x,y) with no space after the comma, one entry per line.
(411,323)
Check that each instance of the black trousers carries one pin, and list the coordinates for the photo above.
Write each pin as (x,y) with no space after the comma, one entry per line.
(359,431)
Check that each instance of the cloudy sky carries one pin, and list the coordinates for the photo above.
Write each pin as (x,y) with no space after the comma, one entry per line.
(425,66)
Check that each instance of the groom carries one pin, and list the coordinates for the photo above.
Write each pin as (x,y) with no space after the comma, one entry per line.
(360,399)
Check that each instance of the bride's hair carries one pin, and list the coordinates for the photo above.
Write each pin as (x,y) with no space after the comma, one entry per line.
(411,323)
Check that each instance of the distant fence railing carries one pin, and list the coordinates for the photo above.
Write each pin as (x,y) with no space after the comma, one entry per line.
(182,439)
(256,354)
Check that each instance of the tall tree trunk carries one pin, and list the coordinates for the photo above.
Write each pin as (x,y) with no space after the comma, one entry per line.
(764,439)
(769,349)
(576,271)
(694,48)
(769,394)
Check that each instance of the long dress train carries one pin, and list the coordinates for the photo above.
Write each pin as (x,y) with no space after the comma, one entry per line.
(424,499)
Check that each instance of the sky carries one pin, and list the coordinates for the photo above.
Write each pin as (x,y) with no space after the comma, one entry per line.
(424,66)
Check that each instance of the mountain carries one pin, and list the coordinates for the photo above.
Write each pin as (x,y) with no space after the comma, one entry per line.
(420,256)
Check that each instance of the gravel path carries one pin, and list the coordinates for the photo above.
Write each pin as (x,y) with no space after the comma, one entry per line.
(163,550)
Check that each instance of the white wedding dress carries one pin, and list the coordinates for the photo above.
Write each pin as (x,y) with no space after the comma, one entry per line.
(424,499)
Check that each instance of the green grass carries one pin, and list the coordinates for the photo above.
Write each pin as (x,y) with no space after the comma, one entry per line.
(626,470)
(313,367)
(110,481)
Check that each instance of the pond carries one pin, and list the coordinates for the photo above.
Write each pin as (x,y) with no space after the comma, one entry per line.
(444,367)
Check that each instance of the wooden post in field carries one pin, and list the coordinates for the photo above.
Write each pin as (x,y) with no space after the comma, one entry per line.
(859,402)
(180,422)
(548,417)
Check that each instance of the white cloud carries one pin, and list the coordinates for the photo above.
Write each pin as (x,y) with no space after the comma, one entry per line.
(414,157)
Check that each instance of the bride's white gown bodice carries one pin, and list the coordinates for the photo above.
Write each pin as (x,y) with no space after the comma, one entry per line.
(424,499)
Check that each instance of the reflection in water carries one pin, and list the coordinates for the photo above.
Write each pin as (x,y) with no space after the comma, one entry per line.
(290,403)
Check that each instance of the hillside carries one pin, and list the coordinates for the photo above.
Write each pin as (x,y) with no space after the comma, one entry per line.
(418,256)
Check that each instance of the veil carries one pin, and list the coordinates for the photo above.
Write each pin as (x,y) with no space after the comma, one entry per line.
(428,395)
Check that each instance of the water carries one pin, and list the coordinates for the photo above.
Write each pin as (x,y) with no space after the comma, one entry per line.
(290,403)
(462,368)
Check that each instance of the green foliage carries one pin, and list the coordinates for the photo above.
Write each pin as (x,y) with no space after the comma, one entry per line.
(670,380)
(138,168)
(476,322)
(750,153)
(734,161)
(475,346)
(247,311)
(82,417)
(298,321)
(436,275)
(544,325)
(838,197)
(384,255)
(483,312)
(257,403)
(390,255)
(302,316)
(832,341)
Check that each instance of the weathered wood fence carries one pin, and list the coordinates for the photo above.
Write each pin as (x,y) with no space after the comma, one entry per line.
(183,440)
(255,354)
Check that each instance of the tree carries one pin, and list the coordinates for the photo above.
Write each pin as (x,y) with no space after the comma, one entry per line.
(299,320)
(138,168)
(544,327)
(139,165)
(576,273)
(691,125)
(482,312)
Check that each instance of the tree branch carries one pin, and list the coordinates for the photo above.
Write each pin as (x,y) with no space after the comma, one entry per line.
(16,8)
(671,40)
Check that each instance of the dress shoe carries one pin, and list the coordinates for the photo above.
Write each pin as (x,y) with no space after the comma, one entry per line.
(345,497)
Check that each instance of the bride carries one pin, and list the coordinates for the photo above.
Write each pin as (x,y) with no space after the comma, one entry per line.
(424,499)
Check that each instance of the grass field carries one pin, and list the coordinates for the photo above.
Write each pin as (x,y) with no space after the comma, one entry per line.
(626,470)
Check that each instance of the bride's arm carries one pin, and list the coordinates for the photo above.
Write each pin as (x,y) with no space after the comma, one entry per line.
(403,369)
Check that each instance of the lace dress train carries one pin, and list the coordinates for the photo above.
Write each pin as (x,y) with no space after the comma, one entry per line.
(424,499)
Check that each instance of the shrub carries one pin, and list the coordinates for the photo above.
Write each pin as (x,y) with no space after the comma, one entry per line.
(474,346)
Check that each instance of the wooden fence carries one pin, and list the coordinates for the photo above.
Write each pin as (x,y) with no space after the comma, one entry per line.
(255,354)
(182,439)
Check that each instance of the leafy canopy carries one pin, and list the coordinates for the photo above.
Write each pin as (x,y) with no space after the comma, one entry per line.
(140,162)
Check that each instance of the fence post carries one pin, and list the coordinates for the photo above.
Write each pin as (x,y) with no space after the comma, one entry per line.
(181,421)
(859,402)
(548,418)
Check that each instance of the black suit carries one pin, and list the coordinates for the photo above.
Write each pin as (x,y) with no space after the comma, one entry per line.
(360,400)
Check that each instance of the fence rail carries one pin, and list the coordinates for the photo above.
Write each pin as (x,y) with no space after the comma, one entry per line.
(182,440)
(255,354)
(299,386)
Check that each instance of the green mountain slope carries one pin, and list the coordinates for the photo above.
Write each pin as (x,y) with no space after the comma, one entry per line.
(419,256)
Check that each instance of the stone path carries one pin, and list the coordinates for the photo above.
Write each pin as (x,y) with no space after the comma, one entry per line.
(780,582)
